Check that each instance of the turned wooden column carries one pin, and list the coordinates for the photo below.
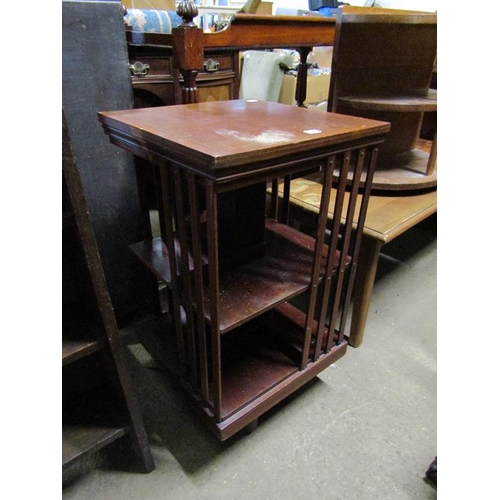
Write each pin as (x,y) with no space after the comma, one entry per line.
(301,89)
(188,50)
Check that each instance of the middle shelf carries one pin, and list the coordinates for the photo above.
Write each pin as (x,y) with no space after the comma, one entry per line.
(256,287)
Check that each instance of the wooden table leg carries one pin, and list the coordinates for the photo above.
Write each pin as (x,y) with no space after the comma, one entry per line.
(363,287)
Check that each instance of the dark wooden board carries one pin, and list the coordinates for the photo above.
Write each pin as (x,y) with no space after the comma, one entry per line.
(95,77)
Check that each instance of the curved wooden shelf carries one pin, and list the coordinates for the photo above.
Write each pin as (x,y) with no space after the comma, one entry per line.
(404,171)
(402,104)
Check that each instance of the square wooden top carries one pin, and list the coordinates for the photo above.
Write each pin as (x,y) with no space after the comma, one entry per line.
(214,136)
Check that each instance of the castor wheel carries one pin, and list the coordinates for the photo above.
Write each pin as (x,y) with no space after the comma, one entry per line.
(251,427)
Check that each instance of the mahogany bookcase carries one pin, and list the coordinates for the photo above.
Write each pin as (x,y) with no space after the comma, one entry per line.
(252,308)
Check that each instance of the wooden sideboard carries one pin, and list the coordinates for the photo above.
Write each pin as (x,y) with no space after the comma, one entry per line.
(162,83)
(205,66)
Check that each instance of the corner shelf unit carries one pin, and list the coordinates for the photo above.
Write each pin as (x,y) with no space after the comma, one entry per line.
(254,308)
(98,401)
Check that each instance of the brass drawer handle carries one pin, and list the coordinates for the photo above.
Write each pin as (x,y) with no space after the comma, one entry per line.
(211,66)
(138,68)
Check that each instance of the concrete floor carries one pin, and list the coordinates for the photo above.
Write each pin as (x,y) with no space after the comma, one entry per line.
(366,428)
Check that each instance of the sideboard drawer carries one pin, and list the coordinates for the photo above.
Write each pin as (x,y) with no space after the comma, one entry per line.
(218,61)
(156,80)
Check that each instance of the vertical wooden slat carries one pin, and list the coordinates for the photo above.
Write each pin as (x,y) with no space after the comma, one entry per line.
(339,274)
(142,180)
(143,171)
(346,245)
(166,217)
(273,212)
(316,267)
(213,272)
(335,226)
(186,295)
(285,205)
(194,211)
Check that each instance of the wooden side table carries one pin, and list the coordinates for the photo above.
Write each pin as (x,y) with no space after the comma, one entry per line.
(387,218)
(232,330)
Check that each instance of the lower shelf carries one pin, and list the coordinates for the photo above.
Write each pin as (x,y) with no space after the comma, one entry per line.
(93,413)
(259,368)
(81,440)
(252,364)
(257,407)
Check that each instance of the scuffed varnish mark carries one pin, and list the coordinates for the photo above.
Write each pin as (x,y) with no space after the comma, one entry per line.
(267,137)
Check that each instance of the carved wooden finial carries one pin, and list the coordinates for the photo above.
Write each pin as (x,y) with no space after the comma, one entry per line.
(188,11)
